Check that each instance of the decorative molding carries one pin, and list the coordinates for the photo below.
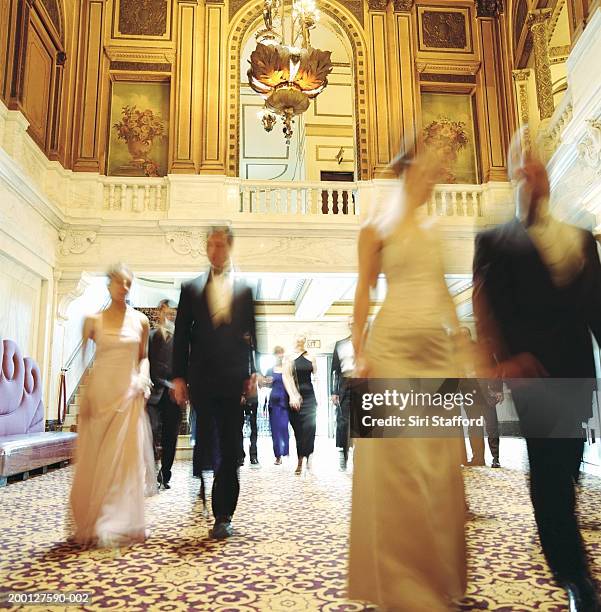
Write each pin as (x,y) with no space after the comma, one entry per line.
(75,242)
(447,78)
(562,51)
(521,79)
(456,68)
(521,75)
(589,148)
(68,297)
(403,6)
(537,22)
(488,8)
(143,17)
(192,243)
(140,66)
(136,54)
(444,30)
(377,5)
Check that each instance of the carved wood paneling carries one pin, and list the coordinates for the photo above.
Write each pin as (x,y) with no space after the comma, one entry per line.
(37,84)
(212,151)
(381,133)
(54,13)
(493,110)
(521,13)
(447,30)
(183,127)
(143,18)
(444,30)
(90,95)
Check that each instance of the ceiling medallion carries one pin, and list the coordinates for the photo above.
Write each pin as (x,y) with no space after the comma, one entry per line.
(284,69)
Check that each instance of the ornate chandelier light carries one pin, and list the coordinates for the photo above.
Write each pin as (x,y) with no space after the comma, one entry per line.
(285,70)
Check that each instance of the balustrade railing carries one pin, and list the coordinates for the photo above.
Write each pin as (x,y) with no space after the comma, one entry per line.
(456,201)
(135,195)
(296,198)
(303,199)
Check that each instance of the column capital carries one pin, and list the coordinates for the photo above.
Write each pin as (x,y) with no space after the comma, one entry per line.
(538,17)
(377,5)
(521,75)
(403,6)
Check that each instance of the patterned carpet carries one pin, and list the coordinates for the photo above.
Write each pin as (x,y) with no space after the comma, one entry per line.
(289,551)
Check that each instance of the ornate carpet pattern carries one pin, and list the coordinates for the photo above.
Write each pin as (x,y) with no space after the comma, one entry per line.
(289,550)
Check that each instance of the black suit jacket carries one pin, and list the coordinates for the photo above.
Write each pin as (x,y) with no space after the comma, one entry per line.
(519,309)
(208,358)
(160,355)
(336,369)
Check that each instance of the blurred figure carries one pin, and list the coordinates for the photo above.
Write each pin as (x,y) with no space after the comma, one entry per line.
(278,406)
(115,466)
(301,374)
(537,292)
(490,394)
(250,403)
(211,354)
(407,544)
(165,414)
(343,366)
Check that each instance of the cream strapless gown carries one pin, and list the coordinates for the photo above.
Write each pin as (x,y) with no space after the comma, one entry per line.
(114,458)
(407,544)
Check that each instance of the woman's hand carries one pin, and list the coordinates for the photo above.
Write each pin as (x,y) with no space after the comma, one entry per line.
(362,367)
(295,403)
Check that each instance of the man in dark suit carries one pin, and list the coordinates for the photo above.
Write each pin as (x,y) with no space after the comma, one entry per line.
(211,357)
(537,297)
(165,414)
(343,365)
(486,406)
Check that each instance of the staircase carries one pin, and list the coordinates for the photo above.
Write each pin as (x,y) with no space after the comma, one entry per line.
(70,422)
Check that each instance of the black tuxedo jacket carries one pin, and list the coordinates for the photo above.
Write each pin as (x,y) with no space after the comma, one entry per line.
(519,309)
(336,376)
(212,359)
(160,355)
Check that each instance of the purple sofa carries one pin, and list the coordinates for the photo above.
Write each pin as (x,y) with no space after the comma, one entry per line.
(24,445)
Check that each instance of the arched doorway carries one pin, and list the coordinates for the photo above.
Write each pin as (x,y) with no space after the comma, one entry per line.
(331,124)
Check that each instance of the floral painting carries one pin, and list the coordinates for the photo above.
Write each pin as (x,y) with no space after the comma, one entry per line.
(138,144)
(448,125)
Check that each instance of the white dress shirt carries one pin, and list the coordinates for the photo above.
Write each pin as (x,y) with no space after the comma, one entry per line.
(220,291)
(346,354)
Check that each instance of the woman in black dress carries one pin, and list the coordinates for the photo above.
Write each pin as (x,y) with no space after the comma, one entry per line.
(303,405)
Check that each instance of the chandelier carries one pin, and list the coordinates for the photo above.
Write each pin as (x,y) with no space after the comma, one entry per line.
(284,69)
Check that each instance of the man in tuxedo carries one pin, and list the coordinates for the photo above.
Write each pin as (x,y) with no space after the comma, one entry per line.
(165,414)
(343,366)
(211,358)
(537,297)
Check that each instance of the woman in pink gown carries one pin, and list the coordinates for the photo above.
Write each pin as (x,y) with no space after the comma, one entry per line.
(114,458)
